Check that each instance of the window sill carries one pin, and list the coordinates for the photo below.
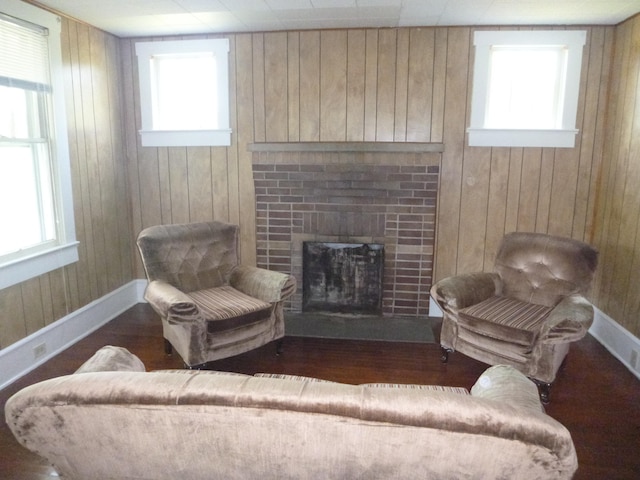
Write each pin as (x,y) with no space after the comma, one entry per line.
(185,138)
(23,269)
(493,137)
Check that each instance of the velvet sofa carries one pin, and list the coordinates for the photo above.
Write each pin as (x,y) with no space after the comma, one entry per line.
(113,420)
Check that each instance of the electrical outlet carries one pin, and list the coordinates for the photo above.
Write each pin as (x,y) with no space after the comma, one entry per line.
(39,351)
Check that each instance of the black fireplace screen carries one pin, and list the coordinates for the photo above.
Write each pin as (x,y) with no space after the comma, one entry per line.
(342,277)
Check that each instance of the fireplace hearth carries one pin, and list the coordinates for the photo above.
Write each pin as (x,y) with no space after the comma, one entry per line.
(350,198)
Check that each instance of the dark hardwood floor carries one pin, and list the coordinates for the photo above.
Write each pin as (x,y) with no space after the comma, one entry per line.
(594,396)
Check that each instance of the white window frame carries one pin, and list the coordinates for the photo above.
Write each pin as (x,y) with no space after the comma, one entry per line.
(64,251)
(562,136)
(154,137)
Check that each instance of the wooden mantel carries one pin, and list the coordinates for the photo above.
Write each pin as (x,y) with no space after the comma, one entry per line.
(369,147)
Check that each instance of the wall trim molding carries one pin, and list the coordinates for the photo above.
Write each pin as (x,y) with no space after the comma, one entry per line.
(619,341)
(19,358)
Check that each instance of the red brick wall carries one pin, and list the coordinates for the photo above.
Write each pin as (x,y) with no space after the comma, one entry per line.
(351,197)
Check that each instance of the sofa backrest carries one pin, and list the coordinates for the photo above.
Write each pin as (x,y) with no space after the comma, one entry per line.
(543,269)
(190,256)
(209,425)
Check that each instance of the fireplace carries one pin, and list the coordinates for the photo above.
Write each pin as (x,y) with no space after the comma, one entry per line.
(342,277)
(351,198)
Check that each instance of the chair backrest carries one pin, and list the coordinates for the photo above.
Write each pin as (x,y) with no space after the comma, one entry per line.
(190,256)
(543,269)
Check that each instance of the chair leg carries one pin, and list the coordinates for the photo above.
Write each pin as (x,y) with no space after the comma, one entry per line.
(279,346)
(543,390)
(445,351)
(168,348)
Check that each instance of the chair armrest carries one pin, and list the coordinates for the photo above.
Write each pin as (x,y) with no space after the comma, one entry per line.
(568,321)
(461,291)
(263,284)
(171,303)
(503,383)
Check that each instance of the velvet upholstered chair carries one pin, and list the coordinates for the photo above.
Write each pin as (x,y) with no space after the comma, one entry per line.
(211,306)
(527,312)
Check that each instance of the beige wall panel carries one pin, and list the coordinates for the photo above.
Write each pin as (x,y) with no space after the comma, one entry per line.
(386,87)
(177,185)
(309,86)
(530,187)
(13,326)
(439,84)
(473,209)
(33,311)
(164,184)
(356,75)
(544,193)
(70,58)
(240,169)
(421,54)
(258,75)
(200,184)
(496,203)
(293,90)
(220,184)
(333,85)
(226,162)
(371,86)
(448,223)
(513,190)
(401,86)
(276,87)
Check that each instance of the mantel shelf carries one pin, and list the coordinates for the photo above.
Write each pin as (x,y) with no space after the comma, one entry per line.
(369,147)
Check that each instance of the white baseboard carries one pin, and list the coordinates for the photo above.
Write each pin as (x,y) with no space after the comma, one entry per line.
(621,343)
(23,356)
(434,309)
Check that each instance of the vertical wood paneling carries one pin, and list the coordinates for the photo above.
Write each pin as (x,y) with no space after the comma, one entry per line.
(333,85)
(276,87)
(374,84)
(386,85)
(356,75)
(309,86)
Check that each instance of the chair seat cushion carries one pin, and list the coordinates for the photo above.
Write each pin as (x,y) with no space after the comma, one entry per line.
(505,318)
(226,308)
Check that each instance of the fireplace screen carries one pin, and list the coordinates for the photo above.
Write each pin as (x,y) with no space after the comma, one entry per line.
(342,277)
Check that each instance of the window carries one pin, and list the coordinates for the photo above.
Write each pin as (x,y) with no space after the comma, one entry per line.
(184,92)
(525,88)
(36,206)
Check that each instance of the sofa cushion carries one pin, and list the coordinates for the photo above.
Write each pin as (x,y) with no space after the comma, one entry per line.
(504,383)
(505,318)
(112,359)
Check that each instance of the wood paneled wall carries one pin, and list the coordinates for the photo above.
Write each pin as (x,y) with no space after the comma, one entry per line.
(408,84)
(617,214)
(102,210)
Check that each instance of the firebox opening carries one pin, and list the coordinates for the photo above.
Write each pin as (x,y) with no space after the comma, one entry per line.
(342,277)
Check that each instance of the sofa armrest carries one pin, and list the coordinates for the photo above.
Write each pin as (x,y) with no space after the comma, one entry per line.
(171,303)
(266,285)
(461,291)
(112,359)
(569,320)
(503,383)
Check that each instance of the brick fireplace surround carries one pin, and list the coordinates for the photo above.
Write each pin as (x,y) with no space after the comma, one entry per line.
(351,197)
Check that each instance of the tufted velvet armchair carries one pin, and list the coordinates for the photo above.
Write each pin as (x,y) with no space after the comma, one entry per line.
(525,313)
(211,306)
